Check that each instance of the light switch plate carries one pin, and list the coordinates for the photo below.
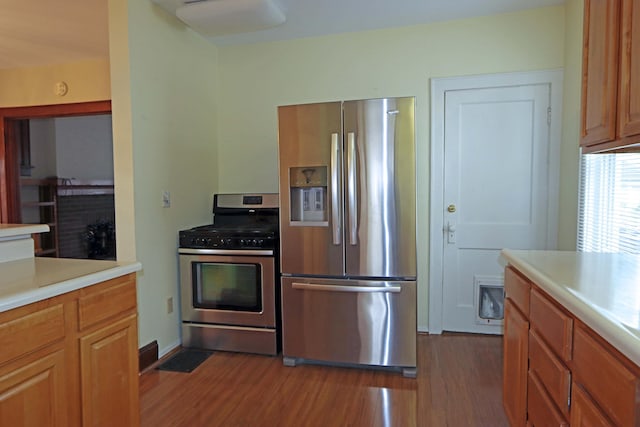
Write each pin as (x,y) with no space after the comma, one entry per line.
(166,199)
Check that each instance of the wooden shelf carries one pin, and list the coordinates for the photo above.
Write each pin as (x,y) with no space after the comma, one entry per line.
(37,204)
(46,244)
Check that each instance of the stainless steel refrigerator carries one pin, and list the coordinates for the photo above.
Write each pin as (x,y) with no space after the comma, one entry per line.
(347,227)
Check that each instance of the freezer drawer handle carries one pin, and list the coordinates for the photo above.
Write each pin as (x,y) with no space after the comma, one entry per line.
(342,288)
(335,190)
(353,188)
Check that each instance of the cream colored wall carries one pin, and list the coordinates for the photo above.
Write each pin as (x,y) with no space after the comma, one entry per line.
(164,108)
(397,62)
(86,80)
(163,85)
(570,153)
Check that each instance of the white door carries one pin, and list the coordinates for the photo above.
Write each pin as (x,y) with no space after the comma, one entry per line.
(496,179)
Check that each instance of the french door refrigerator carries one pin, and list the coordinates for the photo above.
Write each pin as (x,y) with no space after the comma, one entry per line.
(347,227)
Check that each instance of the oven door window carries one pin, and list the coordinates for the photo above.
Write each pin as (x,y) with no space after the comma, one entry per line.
(227,286)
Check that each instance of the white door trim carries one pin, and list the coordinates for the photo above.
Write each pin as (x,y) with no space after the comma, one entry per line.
(439,87)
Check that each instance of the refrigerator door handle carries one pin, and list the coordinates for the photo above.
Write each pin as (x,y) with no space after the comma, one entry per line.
(352,175)
(336,220)
(342,288)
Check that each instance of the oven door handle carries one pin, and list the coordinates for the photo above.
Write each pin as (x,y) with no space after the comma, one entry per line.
(343,288)
(256,252)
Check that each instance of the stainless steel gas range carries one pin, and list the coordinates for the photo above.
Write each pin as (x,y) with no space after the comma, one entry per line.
(229,276)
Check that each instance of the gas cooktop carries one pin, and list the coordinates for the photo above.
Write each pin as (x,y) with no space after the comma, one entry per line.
(229,237)
(241,221)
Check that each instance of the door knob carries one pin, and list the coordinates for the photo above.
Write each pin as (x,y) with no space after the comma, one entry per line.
(451,208)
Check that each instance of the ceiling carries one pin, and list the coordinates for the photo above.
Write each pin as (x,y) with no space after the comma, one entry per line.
(45,32)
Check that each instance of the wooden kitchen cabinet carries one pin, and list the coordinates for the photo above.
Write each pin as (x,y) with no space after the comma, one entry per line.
(610,108)
(608,379)
(584,412)
(541,410)
(550,348)
(516,348)
(33,390)
(552,323)
(72,359)
(629,103)
(551,372)
(573,376)
(109,384)
(33,375)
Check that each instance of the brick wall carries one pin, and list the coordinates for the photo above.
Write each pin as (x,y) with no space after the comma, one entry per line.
(75,213)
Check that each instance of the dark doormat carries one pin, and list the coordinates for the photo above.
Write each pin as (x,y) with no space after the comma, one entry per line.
(185,361)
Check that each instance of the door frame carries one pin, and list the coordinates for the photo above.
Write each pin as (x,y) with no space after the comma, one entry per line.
(9,173)
(439,86)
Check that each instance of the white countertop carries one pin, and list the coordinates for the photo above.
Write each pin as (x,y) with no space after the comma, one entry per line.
(13,230)
(34,279)
(602,290)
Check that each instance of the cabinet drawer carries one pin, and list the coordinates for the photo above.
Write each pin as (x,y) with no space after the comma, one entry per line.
(613,387)
(540,409)
(551,372)
(31,331)
(551,324)
(108,299)
(517,289)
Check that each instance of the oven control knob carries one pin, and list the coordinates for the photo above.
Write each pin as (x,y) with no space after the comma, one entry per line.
(261,242)
(254,243)
(242,242)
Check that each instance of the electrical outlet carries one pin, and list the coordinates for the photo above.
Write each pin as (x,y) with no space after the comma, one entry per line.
(166,199)
(169,305)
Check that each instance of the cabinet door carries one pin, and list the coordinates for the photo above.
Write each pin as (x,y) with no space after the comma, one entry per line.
(541,410)
(109,365)
(34,394)
(585,413)
(629,102)
(614,387)
(600,71)
(516,355)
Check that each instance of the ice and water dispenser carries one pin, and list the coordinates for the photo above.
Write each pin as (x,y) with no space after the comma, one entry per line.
(308,186)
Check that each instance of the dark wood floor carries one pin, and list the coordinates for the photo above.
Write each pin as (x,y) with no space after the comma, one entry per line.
(459,385)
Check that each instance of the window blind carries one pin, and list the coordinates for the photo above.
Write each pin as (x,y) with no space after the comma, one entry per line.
(609,205)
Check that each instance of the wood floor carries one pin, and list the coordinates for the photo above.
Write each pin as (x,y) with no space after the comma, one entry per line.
(459,384)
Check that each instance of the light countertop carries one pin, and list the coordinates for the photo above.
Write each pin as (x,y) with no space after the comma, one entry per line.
(34,279)
(13,230)
(602,290)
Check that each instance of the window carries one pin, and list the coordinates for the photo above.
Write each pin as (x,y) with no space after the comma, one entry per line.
(609,210)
